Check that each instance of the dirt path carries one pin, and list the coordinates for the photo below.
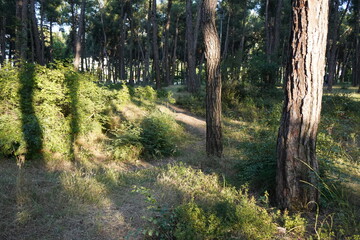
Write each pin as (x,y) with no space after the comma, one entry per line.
(193,124)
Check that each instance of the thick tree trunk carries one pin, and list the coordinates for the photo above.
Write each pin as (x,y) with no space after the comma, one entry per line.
(197,26)
(191,61)
(18,29)
(297,165)
(21,30)
(79,34)
(156,47)
(36,34)
(213,86)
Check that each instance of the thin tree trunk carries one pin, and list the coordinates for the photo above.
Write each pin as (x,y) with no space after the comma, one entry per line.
(156,47)
(191,63)
(297,166)
(42,39)
(356,59)
(226,44)
(166,57)
(173,68)
(2,39)
(131,60)
(146,72)
(122,44)
(213,86)
(32,43)
(51,41)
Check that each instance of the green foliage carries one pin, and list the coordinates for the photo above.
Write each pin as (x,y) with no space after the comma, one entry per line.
(126,145)
(210,210)
(159,135)
(294,224)
(145,93)
(44,110)
(195,103)
(166,96)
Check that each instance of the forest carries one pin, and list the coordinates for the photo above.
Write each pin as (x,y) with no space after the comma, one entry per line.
(179,119)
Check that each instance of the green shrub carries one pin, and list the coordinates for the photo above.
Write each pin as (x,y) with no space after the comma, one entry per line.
(44,110)
(210,210)
(145,93)
(159,135)
(126,145)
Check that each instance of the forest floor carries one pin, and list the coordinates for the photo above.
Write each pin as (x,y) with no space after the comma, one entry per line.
(95,201)
(100,199)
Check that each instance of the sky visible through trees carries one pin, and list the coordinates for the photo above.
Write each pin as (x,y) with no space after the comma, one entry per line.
(263,93)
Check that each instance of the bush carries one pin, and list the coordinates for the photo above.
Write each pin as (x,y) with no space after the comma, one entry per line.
(44,110)
(210,210)
(159,135)
(145,93)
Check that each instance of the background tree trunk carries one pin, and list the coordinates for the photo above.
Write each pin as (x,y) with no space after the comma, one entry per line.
(191,61)
(156,47)
(213,86)
(296,147)
(166,58)
(2,39)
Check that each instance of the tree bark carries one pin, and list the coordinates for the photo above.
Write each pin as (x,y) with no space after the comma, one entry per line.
(191,63)
(156,47)
(356,59)
(147,46)
(21,30)
(51,42)
(122,44)
(2,39)
(166,55)
(36,34)
(272,38)
(297,165)
(213,86)
(79,34)
(173,68)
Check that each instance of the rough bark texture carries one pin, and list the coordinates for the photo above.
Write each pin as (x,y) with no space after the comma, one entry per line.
(213,85)
(24,28)
(78,41)
(156,62)
(296,147)
(191,64)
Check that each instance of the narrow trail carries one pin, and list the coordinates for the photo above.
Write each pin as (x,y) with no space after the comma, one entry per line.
(134,208)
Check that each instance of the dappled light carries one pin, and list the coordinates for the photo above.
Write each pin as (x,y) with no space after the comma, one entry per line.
(179,120)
